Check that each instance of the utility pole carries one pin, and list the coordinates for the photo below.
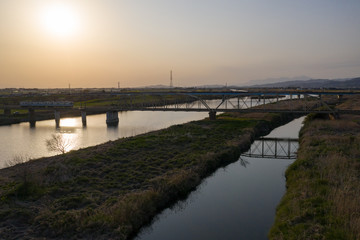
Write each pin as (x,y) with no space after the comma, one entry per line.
(171,81)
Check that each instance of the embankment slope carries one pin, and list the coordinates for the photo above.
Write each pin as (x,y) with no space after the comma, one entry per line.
(323,185)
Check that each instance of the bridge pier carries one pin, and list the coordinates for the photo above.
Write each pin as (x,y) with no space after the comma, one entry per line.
(83,118)
(212,115)
(57,118)
(32,117)
(112,118)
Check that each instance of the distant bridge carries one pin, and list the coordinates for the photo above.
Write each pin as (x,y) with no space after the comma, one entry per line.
(300,102)
(238,101)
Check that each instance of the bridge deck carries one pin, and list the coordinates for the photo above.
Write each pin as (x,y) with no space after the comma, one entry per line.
(248,110)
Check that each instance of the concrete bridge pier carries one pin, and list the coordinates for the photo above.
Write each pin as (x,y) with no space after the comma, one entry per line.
(57,118)
(112,118)
(83,118)
(212,115)
(32,117)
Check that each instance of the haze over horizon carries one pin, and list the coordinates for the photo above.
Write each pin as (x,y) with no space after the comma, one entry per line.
(51,43)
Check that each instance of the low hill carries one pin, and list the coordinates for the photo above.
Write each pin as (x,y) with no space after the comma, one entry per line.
(314,83)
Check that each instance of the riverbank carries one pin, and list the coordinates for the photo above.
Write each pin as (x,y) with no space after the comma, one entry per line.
(323,185)
(111,190)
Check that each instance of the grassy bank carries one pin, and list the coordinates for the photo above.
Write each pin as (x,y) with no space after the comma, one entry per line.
(109,191)
(323,185)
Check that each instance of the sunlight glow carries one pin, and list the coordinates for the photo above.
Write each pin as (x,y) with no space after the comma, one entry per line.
(68,122)
(69,142)
(60,20)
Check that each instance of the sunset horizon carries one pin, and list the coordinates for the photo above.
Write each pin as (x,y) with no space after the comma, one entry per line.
(51,44)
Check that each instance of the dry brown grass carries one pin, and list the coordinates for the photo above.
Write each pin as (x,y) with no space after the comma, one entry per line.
(350,102)
(322,200)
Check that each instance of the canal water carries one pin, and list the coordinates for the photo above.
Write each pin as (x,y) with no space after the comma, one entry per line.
(236,202)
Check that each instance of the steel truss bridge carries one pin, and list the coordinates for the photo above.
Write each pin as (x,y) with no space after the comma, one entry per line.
(302,102)
(279,148)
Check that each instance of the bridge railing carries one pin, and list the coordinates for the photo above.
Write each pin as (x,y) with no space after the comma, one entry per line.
(231,103)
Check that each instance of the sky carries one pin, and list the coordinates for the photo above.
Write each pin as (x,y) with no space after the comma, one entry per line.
(100,43)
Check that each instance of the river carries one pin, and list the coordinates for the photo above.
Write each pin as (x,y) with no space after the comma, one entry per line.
(19,140)
(236,202)
(24,143)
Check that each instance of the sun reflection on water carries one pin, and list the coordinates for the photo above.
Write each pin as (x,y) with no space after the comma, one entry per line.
(68,122)
(69,141)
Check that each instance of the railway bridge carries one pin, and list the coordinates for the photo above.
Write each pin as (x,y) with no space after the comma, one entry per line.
(301,102)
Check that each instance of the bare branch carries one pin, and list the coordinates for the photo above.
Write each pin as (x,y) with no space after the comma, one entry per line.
(57,143)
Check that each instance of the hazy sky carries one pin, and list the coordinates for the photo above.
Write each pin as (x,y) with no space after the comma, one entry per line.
(98,43)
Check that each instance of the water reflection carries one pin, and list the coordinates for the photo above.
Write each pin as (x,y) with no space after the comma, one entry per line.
(70,141)
(20,139)
(61,143)
(237,202)
(274,148)
(68,122)
(243,162)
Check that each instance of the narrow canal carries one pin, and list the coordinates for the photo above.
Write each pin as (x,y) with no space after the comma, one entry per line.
(236,202)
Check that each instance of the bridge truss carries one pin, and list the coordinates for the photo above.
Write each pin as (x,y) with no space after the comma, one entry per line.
(295,102)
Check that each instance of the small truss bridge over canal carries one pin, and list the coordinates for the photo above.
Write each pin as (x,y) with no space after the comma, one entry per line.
(279,148)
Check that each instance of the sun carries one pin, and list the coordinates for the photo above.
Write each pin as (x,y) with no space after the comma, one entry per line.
(60,20)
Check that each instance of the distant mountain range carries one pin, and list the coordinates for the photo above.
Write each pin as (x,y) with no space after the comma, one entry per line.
(276,80)
(296,82)
(313,83)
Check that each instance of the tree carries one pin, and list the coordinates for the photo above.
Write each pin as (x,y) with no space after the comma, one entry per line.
(57,143)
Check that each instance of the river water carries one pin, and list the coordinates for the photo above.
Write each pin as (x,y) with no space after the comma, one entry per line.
(22,142)
(19,140)
(236,202)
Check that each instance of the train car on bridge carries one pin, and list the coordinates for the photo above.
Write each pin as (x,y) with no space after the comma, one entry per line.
(50,104)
